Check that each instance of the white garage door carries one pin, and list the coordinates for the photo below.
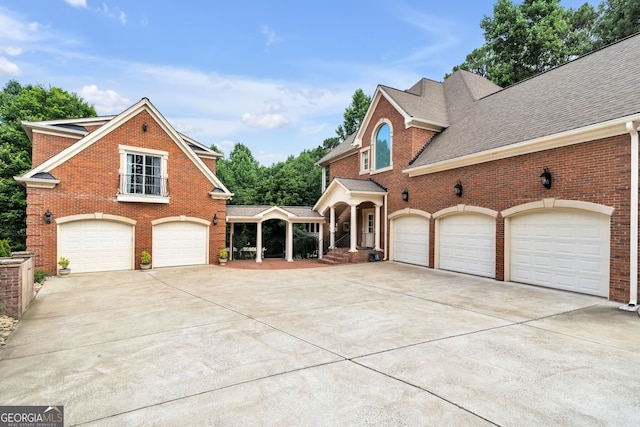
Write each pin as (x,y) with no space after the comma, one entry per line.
(561,249)
(96,245)
(411,240)
(179,243)
(468,244)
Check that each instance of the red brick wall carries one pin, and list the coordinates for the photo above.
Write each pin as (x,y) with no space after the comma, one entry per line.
(45,146)
(89,184)
(596,172)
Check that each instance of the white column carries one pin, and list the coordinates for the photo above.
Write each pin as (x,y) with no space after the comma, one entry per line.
(320,240)
(332,230)
(354,230)
(231,230)
(289,242)
(377,228)
(259,242)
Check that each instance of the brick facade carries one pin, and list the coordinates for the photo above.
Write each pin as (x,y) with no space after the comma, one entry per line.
(595,171)
(89,183)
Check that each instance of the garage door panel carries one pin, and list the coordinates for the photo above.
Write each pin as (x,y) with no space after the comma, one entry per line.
(575,245)
(96,245)
(411,240)
(179,243)
(467,244)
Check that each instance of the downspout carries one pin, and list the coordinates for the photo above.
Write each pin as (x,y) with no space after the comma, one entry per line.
(386,228)
(633,223)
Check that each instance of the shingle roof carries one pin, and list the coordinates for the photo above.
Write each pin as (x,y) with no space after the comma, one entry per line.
(364,185)
(598,87)
(344,148)
(424,100)
(253,210)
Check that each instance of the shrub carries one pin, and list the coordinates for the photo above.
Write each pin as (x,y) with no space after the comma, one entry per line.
(5,249)
(63,262)
(145,257)
(39,276)
(224,254)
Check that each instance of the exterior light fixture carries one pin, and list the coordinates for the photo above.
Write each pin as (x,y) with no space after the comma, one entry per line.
(405,195)
(47,217)
(144,127)
(545,178)
(458,188)
(215,219)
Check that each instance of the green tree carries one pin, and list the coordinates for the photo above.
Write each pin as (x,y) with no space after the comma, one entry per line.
(354,115)
(331,143)
(240,173)
(617,20)
(522,40)
(26,103)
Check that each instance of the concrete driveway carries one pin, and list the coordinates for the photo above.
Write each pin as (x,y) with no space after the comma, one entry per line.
(367,344)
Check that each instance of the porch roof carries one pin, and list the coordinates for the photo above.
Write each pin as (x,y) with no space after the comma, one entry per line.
(260,213)
(350,191)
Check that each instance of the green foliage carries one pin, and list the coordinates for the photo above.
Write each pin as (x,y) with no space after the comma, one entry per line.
(304,243)
(145,257)
(26,103)
(240,174)
(224,254)
(5,249)
(617,20)
(39,276)
(63,262)
(354,114)
(331,143)
(532,36)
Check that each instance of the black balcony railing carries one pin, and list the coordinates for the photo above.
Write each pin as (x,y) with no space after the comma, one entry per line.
(140,185)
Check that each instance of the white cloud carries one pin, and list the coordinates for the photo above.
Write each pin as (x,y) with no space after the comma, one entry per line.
(8,68)
(272,37)
(77,3)
(123,17)
(11,29)
(265,121)
(118,14)
(104,101)
(12,51)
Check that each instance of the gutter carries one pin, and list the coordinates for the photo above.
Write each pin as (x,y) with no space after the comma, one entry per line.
(633,250)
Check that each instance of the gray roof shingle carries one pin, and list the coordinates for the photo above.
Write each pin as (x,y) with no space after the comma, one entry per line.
(364,185)
(598,87)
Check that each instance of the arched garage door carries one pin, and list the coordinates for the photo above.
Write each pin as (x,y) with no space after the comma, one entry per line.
(562,249)
(411,240)
(179,243)
(467,243)
(96,245)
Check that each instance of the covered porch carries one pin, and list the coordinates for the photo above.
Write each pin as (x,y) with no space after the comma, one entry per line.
(365,200)
(290,215)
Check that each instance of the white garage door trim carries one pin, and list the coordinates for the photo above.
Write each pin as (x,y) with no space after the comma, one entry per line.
(565,249)
(96,242)
(410,239)
(466,243)
(177,243)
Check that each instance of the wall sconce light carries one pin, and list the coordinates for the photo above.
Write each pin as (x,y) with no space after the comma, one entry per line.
(144,127)
(405,196)
(215,219)
(545,178)
(47,217)
(458,188)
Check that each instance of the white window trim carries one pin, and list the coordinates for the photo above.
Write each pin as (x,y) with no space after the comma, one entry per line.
(372,156)
(136,198)
(366,150)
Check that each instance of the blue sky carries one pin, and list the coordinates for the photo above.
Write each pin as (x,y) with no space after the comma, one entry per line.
(273,75)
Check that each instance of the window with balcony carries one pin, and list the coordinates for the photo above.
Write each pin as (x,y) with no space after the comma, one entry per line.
(143,176)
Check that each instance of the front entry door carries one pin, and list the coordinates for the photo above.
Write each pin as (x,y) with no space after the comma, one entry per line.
(368,228)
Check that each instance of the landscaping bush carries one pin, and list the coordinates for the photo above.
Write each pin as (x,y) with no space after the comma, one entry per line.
(39,276)
(5,249)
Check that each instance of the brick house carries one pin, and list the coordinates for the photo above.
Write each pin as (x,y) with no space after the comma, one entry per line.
(536,183)
(103,189)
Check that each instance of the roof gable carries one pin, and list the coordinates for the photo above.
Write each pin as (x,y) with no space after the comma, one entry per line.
(143,105)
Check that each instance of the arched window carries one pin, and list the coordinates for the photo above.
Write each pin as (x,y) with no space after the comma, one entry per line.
(382,155)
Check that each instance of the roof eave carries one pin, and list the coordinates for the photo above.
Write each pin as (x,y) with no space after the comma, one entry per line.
(562,139)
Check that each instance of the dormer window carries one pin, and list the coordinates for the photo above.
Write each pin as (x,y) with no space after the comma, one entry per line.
(143,175)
